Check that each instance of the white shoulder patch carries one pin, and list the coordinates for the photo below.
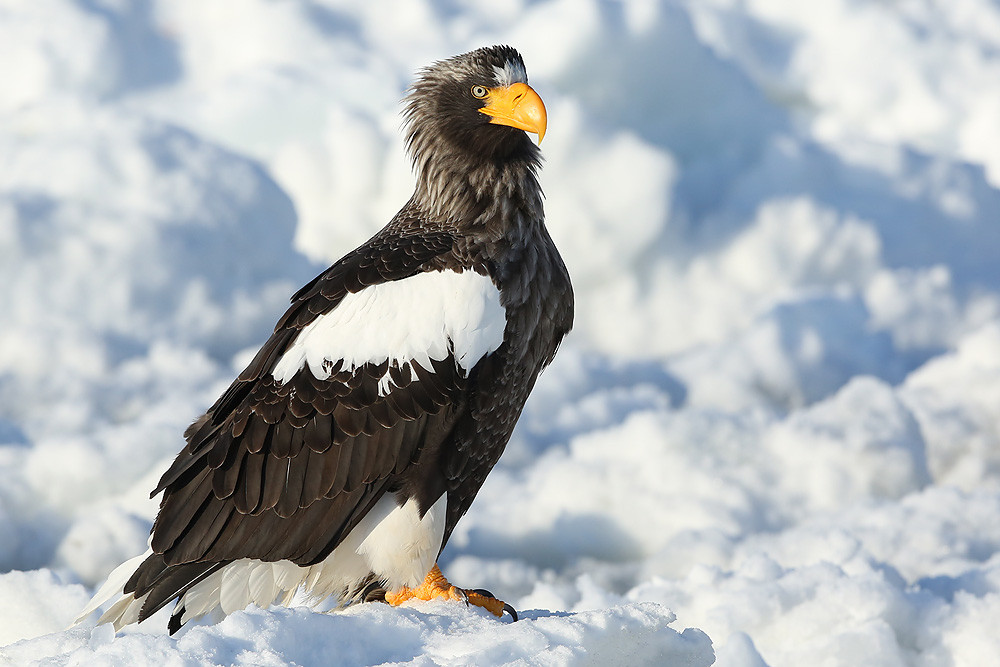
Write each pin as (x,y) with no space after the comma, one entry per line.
(414,319)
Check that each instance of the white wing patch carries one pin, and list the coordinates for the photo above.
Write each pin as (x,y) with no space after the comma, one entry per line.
(419,318)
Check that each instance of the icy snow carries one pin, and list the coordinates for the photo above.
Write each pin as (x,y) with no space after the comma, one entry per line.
(772,439)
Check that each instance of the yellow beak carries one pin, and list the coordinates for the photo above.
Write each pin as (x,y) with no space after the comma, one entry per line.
(516,105)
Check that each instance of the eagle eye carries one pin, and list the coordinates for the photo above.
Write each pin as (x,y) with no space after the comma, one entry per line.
(479,92)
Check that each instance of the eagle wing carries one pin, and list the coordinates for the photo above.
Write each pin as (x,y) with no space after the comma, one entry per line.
(282,468)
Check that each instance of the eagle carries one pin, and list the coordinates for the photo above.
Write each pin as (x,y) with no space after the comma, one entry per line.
(340,460)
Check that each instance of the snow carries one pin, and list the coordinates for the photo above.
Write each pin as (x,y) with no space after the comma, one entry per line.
(773,437)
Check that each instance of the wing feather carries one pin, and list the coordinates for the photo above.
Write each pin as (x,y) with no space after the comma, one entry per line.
(281,441)
(421,396)
(403,404)
(320,472)
(205,530)
(176,517)
(356,467)
(298,437)
(319,432)
(382,414)
(257,434)
(220,450)
(252,482)
(225,477)
(288,504)
(240,420)
(343,468)
(299,407)
(275,473)
(351,422)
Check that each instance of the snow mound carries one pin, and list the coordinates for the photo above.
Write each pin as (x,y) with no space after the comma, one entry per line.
(441,633)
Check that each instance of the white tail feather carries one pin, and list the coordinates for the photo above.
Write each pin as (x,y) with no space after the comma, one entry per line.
(115,585)
(123,612)
(287,575)
(203,597)
(235,593)
(262,587)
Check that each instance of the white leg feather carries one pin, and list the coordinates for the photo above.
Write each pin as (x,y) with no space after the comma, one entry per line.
(403,546)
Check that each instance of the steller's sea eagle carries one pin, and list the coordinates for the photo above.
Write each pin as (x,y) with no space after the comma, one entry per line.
(341,458)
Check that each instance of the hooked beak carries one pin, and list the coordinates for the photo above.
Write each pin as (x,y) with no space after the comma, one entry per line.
(516,105)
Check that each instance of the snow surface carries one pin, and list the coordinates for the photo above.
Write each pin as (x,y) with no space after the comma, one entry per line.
(774,436)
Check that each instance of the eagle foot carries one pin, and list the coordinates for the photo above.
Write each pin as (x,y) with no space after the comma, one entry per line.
(435,585)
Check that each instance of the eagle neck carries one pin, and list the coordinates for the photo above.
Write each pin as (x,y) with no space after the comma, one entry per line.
(482,198)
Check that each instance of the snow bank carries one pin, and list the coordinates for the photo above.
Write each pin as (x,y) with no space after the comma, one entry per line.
(634,633)
(773,436)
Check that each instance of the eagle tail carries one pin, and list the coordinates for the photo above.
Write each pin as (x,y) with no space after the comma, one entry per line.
(146,584)
(133,605)
(114,586)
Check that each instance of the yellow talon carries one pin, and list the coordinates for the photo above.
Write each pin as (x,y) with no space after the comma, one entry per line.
(435,585)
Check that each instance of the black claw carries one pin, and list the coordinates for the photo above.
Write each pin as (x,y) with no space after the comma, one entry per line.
(506,607)
(373,592)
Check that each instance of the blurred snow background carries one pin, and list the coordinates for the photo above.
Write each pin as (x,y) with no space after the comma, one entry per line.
(774,436)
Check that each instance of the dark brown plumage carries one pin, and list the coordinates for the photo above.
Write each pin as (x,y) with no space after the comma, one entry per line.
(284,467)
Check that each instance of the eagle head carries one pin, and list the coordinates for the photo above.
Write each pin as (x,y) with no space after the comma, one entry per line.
(475,107)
